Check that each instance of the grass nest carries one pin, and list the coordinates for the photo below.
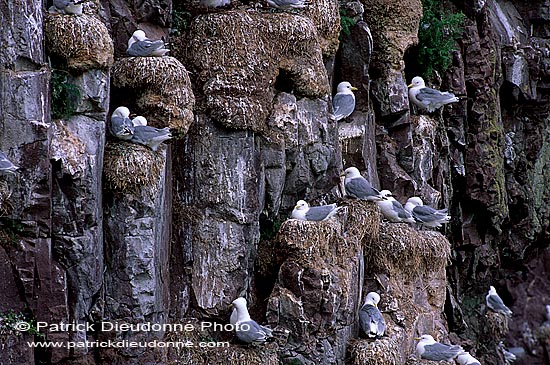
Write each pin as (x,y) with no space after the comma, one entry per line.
(384,351)
(497,324)
(83,41)
(129,166)
(163,87)
(403,248)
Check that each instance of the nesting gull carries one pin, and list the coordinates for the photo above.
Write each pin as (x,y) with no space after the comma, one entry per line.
(358,187)
(343,102)
(6,165)
(467,359)
(428,349)
(287,4)
(121,125)
(392,210)
(371,322)
(426,215)
(246,329)
(215,3)
(139,120)
(150,136)
(304,212)
(427,98)
(140,46)
(67,7)
(495,303)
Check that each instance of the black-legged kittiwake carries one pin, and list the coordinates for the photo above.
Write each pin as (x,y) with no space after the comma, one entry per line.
(466,359)
(304,212)
(140,46)
(139,120)
(343,102)
(215,3)
(428,349)
(427,98)
(121,125)
(246,329)
(150,136)
(287,4)
(358,187)
(392,210)
(67,7)
(371,322)
(495,303)
(6,165)
(426,215)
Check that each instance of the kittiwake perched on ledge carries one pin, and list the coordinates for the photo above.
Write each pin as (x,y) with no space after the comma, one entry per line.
(246,329)
(150,136)
(67,7)
(358,187)
(495,303)
(392,210)
(343,103)
(371,322)
(427,98)
(426,215)
(467,359)
(428,349)
(121,126)
(6,165)
(140,46)
(304,212)
(287,4)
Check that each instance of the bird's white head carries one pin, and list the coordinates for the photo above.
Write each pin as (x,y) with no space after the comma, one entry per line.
(239,304)
(345,87)
(416,201)
(492,290)
(139,35)
(372,299)
(301,205)
(417,81)
(352,172)
(426,339)
(386,193)
(121,112)
(139,120)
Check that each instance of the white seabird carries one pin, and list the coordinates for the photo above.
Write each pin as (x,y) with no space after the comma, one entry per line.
(358,187)
(304,212)
(67,7)
(467,359)
(121,126)
(495,303)
(246,329)
(287,4)
(371,321)
(426,215)
(428,349)
(6,165)
(140,46)
(392,210)
(427,98)
(343,103)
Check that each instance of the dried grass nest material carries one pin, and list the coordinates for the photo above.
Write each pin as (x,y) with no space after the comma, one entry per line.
(497,324)
(401,245)
(384,351)
(82,41)
(5,194)
(129,166)
(162,85)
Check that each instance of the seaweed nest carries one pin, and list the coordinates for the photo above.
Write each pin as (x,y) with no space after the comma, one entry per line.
(5,193)
(83,41)
(384,351)
(129,166)
(411,251)
(163,89)
(497,324)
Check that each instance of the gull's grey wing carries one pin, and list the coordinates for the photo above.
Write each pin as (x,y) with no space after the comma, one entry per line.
(425,213)
(429,95)
(286,4)
(319,213)
(122,128)
(251,331)
(495,302)
(144,48)
(61,4)
(371,321)
(440,352)
(343,105)
(401,212)
(150,136)
(360,188)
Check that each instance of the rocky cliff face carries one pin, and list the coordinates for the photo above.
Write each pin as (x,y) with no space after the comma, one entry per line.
(96,230)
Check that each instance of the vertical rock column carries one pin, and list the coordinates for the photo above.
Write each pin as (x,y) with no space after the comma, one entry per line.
(81,51)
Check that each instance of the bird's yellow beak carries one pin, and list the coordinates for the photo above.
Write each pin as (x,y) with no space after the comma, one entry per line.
(343,173)
(230,305)
(417,338)
(354,88)
(409,86)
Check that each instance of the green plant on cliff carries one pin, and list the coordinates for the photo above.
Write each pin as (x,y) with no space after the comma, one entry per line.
(181,19)
(64,95)
(12,323)
(438,31)
(346,23)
